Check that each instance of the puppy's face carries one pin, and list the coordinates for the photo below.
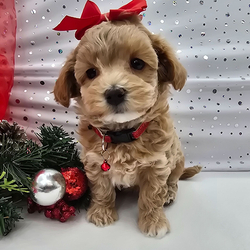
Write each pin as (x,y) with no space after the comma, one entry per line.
(118,70)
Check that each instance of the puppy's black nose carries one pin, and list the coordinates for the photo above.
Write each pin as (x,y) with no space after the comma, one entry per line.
(115,96)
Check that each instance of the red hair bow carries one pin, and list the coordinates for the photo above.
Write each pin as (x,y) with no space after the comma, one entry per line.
(91,16)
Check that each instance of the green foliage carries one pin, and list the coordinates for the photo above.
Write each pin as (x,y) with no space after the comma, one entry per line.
(20,160)
(60,148)
(11,185)
(9,215)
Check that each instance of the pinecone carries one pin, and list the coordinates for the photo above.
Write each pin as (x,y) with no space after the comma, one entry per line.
(12,132)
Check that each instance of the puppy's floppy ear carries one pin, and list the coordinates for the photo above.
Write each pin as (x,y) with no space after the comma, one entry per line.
(66,86)
(170,69)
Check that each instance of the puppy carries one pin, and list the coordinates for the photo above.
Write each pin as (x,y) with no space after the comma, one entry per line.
(120,75)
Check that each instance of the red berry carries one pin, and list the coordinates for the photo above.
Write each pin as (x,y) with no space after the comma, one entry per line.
(56,213)
(60,203)
(66,215)
(39,208)
(30,201)
(31,210)
(48,214)
(72,210)
(64,208)
(33,206)
(62,219)
(50,207)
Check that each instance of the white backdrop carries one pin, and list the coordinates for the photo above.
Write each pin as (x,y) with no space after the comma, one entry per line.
(212,40)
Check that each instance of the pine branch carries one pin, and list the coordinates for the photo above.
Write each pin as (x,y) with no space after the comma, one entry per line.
(12,132)
(61,151)
(49,135)
(11,185)
(20,160)
(9,215)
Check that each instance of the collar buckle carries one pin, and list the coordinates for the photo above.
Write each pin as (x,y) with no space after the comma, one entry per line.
(123,136)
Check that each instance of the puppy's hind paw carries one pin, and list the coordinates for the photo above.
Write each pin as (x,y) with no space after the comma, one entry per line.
(171,195)
(170,199)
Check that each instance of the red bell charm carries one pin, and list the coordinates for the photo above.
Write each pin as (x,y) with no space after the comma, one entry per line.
(105,166)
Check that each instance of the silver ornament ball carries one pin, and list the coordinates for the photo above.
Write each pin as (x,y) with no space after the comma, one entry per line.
(48,187)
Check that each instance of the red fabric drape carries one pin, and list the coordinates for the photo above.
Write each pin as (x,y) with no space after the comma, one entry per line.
(7,51)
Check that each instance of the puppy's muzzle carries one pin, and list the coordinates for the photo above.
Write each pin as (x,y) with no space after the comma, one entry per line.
(115,96)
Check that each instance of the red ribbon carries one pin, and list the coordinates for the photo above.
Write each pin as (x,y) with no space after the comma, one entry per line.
(92,16)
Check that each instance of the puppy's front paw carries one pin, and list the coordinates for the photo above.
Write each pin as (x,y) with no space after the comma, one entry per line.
(154,224)
(101,216)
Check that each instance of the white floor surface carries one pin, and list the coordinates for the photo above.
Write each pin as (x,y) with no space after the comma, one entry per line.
(212,212)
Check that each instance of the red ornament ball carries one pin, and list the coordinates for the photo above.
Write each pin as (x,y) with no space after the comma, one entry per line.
(76,183)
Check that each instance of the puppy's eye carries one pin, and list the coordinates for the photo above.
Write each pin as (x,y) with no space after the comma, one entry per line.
(91,73)
(137,63)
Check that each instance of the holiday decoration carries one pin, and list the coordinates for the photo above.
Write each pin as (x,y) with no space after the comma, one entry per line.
(59,211)
(48,187)
(21,159)
(76,183)
(91,16)
(7,52)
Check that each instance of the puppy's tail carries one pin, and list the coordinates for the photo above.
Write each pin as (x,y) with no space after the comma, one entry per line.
(190,172)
